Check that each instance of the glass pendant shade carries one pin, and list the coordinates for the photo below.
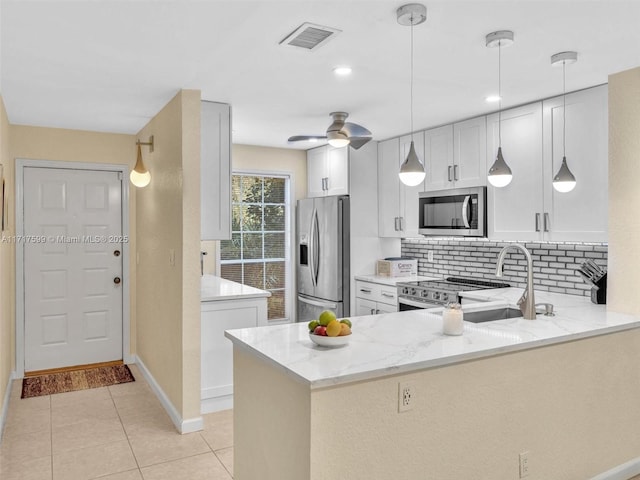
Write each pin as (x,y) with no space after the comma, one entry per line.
(564,181)
(337,139)
(500,173)
(412,171)
(140,176)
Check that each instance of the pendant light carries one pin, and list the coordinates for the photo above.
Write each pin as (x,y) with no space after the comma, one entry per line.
(412,171)
(140,176)
(499,173)
(564,181)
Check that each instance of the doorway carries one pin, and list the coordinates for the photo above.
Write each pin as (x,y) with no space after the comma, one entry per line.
(72,253)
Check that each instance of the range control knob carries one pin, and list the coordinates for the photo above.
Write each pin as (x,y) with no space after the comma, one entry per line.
(436,296)
(412,291)
(424,293)
(444,297)
(405,290)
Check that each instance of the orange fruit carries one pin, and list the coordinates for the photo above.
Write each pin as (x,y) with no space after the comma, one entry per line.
(334,328)
(344,329)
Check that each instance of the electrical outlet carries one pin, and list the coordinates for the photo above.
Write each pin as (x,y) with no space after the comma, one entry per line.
(524,464)
(430,255)
(406,397)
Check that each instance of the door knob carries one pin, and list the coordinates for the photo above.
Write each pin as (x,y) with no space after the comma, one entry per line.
(116,280)
(116,253)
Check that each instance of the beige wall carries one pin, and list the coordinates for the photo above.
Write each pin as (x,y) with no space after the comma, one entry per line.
(7,283)
(624,181)
(168,226)
(264,159)
(573,407)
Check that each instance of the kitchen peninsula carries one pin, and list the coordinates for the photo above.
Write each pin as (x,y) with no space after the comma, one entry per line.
(564,389)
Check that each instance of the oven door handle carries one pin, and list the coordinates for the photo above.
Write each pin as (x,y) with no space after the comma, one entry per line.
(417,303)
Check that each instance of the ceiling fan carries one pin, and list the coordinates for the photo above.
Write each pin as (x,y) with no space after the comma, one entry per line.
(340,133)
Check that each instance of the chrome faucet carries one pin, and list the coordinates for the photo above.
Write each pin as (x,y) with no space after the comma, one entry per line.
(526,303)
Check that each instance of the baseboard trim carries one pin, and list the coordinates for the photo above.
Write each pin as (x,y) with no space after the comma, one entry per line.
(183,426)
(215,404)
(621,472)
(5,403)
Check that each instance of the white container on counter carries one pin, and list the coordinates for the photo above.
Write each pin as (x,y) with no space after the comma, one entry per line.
(452,319)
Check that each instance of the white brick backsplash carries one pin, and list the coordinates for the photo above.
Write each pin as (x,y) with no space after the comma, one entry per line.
(554,264)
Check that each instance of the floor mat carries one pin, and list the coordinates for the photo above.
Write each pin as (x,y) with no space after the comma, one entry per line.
(75,380)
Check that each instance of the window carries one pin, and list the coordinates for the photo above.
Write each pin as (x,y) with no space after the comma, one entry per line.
(258,252)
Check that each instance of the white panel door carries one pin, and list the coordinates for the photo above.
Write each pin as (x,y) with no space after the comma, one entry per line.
(72,267)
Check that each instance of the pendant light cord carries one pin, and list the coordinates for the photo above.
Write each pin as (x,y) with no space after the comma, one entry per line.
(564,110)
(411,70)
(499,94)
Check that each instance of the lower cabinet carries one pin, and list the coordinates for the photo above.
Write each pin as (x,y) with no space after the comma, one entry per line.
(374,298)
(216,350)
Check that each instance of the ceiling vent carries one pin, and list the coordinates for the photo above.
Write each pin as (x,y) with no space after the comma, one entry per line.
(310,36)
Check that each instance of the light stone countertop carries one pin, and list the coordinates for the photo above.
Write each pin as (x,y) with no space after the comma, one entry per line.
(213,289)
(392,281)
(403,342)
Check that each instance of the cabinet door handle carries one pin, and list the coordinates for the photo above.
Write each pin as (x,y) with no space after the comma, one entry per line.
(373,311)
(365,290)
(537,222)
(546,221)
(388,295)
(402,224)
(395,223)
(449,173)
(455,172)
(326,182)
(377,311)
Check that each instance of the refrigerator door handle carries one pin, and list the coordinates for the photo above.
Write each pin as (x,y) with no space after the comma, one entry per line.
(316,303)
(314,257)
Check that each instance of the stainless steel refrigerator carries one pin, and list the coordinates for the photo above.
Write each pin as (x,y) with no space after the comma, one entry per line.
(322,235)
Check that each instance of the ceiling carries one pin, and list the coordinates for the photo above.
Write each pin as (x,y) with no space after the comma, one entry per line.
(110,66)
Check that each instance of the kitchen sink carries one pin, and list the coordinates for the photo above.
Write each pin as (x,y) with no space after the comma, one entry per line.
(490,315)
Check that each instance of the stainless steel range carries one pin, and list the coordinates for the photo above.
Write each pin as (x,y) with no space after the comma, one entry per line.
(436,293)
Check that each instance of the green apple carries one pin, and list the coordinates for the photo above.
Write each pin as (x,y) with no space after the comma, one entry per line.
(326,317)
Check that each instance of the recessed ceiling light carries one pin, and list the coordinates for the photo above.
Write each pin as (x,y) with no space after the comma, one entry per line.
(342,71)
(492,98)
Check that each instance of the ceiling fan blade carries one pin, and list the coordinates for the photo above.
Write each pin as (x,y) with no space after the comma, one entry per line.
(355,130)
(357,142)
(300,138)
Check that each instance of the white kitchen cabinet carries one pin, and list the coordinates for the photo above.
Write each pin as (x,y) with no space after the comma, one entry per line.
(438,148)
(470,153)
(373,298)
(327,171)
(581,214)
(529,208)
(397,203)
(215,171)
(514,211)
(455,155)
(216,352)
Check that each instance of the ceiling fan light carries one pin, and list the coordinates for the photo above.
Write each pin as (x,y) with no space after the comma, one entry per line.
(500,174)
(564,181)
(412,171)
(337,139)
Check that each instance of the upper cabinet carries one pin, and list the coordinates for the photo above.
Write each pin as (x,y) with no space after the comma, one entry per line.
(327,171)
(514,211)
(455,155)
(215,171)
(397,203)
(529,208)
(581,214)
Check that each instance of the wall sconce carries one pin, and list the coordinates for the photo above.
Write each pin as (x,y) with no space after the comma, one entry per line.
(140,176)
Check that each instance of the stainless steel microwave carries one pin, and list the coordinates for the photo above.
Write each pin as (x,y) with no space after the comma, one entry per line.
(458,211)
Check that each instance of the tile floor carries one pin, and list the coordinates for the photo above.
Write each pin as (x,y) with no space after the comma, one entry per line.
(112,433)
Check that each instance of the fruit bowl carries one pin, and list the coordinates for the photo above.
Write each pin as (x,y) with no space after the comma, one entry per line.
(325,341)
